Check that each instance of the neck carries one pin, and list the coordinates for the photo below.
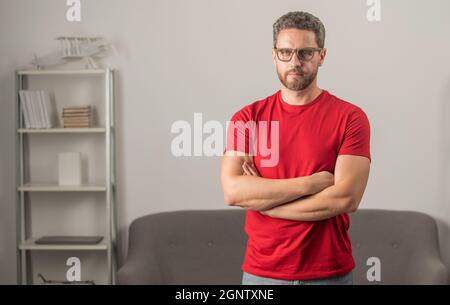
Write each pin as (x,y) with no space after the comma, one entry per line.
(302,97)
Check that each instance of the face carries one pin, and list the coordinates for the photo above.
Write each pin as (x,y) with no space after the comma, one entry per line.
(297,74)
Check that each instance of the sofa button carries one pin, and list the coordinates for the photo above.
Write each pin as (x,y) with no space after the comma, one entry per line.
(210,243)
(395,245)
(172,245)
(358,245)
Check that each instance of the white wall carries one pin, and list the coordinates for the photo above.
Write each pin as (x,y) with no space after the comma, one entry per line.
(180,57)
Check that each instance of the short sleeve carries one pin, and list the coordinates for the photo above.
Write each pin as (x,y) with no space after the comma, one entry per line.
(240,131)
(357,136)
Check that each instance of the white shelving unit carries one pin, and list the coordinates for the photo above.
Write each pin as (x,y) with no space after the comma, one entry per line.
(48,187)
(64,130)
(30,244)
(25,187)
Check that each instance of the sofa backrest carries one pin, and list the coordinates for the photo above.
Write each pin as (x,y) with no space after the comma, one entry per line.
(189,247)
(403,244)
(208,247)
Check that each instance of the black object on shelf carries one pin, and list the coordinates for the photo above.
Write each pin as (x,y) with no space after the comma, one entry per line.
(69,240)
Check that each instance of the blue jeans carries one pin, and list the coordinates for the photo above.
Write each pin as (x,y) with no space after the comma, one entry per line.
(250,279)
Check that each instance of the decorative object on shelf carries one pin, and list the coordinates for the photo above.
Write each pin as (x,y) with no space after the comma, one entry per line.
(88,49)
(69,168)
(38,109)
(51,282)
(77,117)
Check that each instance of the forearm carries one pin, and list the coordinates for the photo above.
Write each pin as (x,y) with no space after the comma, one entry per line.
(328,203)
(259,194)
(351,176)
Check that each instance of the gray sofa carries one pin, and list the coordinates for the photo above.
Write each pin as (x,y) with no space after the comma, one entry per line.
(207,247)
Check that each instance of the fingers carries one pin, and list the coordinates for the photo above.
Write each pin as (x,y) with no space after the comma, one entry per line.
(249,169)
(253,170)
(246,170)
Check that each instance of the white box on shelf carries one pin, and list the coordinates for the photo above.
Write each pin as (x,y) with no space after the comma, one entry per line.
(69,168)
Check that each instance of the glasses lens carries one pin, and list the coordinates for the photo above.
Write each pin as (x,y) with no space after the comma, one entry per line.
(285,54)
(306,54)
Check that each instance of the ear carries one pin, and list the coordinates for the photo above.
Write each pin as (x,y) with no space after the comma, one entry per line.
(323,53)
(274,57)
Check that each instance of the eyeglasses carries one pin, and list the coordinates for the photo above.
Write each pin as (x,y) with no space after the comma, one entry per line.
(305,54)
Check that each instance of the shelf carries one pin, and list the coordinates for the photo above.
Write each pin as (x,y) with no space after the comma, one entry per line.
(54,187)
(62,72)
(36,184)
(31,245)
(63,130)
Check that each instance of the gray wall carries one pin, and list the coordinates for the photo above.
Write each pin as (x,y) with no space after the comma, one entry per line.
(180,57)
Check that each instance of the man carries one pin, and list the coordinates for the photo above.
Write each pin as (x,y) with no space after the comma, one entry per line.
(297,208)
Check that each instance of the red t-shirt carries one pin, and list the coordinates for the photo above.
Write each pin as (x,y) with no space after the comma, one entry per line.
(310,139)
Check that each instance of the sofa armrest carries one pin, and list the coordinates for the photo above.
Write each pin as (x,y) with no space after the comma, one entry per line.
(431,271)
(138,273)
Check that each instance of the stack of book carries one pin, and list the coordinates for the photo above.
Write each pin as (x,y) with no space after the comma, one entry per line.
(37,108)
(77,117)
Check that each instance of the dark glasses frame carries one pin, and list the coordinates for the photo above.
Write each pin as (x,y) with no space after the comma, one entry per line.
(300,53)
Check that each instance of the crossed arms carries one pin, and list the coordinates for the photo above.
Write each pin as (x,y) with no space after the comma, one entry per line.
(309,198)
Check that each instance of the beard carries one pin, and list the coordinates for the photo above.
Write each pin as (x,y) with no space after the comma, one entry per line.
(298,82)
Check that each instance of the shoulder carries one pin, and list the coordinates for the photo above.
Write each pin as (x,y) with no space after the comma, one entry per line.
(346,108)
(251,111)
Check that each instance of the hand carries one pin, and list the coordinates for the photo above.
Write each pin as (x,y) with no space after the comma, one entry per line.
(267,212)
(250,169)
(321,181)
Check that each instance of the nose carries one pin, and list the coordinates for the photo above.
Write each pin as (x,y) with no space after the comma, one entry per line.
(295,60)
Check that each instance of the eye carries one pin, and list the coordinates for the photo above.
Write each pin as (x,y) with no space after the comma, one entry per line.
(285,52)
(307,53)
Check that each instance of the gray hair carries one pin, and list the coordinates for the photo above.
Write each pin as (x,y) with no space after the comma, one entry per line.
(301,21)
